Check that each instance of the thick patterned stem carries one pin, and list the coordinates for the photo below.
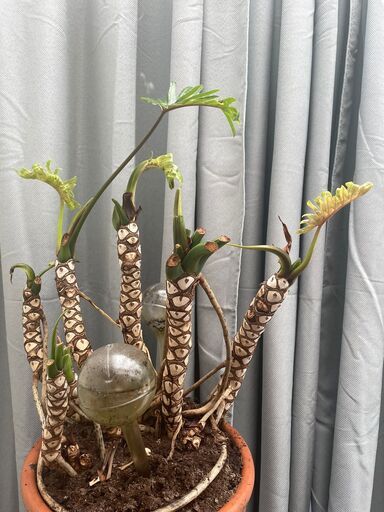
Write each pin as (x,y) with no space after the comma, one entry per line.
(262,308)
(57,406)
(45,334)
(73,400)
(67,288)
(180,295)
(129,253)
(33,342)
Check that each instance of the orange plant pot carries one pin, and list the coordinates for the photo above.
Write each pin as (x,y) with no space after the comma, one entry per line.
(33,502)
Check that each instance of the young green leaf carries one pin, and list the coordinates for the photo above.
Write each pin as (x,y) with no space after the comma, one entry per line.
(163,162)
(52,178)
(67,367)
(197,97)
(119,217)
(172,93)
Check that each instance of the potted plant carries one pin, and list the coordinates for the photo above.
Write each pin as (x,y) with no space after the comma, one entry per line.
(189,453)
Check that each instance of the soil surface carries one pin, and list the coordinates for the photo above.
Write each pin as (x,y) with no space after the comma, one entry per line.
(126,491)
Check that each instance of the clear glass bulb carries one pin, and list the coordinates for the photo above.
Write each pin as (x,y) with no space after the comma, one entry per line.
(116,384)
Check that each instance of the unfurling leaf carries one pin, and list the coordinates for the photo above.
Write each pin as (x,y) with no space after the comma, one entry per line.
(170,169)
(196,96)
(52,178)
(326,204)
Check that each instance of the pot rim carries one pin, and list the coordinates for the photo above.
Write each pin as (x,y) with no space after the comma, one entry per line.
(237,503)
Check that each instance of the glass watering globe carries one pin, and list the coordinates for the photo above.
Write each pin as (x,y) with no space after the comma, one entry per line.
(154,315)
(116,385)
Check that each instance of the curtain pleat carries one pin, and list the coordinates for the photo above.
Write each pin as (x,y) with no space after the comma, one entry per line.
(347,79)
(187,38)
(311,282)
(259,99)
(220,175)
(359,390)
(8,484)
(285,198)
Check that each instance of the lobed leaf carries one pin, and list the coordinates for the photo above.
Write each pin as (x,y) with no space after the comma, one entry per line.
(326,205)
(52,178)
(196,96)
(170,169)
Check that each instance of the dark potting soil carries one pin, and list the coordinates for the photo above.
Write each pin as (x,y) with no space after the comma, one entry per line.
(126,491)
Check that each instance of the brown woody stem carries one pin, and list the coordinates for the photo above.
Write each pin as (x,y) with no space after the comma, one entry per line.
(66,467)
(204,378)
(228,346)
(95,306)
(36,398)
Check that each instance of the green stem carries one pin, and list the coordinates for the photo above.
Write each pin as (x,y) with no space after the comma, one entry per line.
(54,337)
(52,370)
(134,179)
(174,270)
(195,259)
(136,446)
(285,260)
(197,236)
(178,205)
(67,368)
(175,107)
(299,269)
(71,239)
(60,225)
(50,266)
(33,281)
(180,236)
(59,354)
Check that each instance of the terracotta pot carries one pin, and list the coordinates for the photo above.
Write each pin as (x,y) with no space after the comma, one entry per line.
(238,502)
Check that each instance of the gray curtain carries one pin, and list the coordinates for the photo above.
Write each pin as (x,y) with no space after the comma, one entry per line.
(309,78)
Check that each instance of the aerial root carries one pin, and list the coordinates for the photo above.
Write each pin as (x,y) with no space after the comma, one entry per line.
(36,398)
(173,442)
(43,491)
(193,434)
(200,487)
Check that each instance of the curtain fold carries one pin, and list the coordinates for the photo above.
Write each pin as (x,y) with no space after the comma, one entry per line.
(285,198)
(187,39)
(309,81)
(220,175)
(342,164)
(355,444)
(310,287)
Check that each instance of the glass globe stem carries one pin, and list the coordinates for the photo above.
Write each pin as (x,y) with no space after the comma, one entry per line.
(159,350)
(136,446)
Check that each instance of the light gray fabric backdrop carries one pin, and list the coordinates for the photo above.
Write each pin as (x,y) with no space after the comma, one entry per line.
(309,78)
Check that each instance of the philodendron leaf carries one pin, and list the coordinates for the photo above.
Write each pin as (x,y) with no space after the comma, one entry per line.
(52,178)
(326,204)
(170,169)
(196,96)
(171,173)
